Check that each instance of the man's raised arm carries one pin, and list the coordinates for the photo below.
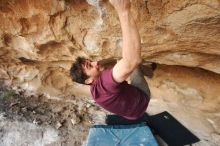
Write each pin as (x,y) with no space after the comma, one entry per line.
(131,49)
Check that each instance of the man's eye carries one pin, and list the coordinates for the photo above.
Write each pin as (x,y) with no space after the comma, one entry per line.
(87,64)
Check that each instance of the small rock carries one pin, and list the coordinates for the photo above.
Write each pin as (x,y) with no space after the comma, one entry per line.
(58,125)
(75,120)
(88,105)
(3,116)
(12,104)
(91,122)
(36,122)
(24,109)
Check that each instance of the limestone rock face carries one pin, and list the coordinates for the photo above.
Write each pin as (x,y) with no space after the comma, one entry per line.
(37,37)
(39,40)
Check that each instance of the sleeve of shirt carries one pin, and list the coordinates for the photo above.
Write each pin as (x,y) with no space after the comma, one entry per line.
(109,83)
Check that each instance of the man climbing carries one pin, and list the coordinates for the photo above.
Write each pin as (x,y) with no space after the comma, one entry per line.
(109,87)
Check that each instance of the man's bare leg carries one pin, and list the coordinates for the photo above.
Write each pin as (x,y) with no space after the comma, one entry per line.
(137,80)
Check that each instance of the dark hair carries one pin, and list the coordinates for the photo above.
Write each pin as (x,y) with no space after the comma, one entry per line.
(76,71)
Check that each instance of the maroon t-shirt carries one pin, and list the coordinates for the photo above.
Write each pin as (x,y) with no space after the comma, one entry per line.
(120,98)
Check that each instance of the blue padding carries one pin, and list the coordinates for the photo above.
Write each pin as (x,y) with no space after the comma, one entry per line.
(120,135)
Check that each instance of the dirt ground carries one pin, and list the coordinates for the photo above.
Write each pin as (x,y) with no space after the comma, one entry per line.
(66,117)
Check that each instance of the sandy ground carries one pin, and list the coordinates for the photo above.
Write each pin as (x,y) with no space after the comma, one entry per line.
(37,121)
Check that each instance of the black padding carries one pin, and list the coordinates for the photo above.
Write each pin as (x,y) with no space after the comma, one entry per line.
(171,131)
(119,120)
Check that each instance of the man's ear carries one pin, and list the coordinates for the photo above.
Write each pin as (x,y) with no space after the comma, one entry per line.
(88,81)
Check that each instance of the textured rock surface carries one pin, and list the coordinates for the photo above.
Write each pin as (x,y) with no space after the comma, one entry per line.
(39,39)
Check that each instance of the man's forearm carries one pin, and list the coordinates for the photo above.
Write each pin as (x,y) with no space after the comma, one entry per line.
(131,50)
